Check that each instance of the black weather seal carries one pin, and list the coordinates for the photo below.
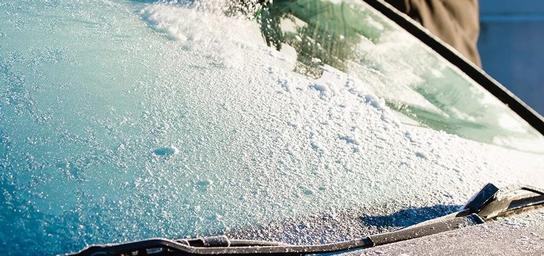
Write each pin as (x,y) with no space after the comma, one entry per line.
(471,70)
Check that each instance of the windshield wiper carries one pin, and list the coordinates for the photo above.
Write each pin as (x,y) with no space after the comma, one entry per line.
(488,204)
(221,245)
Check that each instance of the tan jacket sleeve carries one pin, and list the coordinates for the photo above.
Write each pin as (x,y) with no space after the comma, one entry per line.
(456,22)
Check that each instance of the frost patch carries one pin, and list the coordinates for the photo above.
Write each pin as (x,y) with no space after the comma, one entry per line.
(166,151)
(421,155)
(284,84)
(203,185)
(349,139)
(318,147)
(203,30)
(408,135)
(374,101)
(324,91)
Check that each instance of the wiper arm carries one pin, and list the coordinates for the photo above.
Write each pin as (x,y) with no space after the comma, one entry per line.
(491,203)
(486,205)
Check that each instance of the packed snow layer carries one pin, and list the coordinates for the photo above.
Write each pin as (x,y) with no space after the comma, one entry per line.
(129,120)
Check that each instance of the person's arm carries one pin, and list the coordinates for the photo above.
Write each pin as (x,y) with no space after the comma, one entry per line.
(456,22)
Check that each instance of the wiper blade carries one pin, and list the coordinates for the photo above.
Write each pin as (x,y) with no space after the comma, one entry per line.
(488,204)
(221,245)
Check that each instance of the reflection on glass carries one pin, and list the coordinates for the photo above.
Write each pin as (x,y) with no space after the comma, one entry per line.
(322,32)
(343,35)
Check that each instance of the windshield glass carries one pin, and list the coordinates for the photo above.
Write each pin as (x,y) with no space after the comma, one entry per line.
(304,121)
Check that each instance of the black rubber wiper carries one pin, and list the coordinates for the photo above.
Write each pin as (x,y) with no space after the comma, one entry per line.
(488,204)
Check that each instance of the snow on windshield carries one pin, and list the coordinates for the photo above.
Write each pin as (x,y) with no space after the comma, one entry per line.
(129,120)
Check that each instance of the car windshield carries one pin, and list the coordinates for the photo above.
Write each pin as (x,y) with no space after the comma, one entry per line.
(304,121)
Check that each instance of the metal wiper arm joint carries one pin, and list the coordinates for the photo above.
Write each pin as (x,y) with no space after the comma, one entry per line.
(491,202)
